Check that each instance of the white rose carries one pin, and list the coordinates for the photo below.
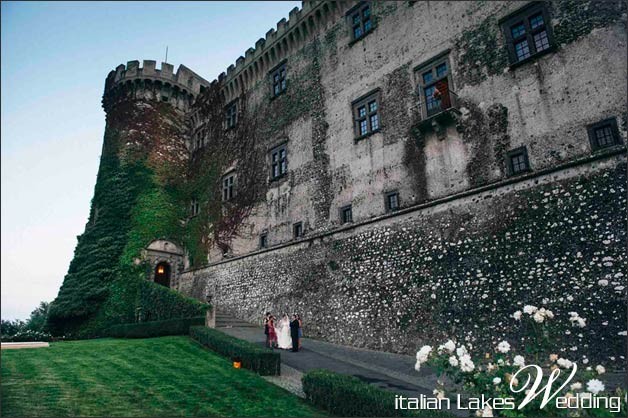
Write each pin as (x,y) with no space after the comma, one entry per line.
(538,317)
(450,346)
(564,363)
(461,351)
(487,412)
(518,361)
(576,386)
(517,315)
(529,309)
(466,364)
(497,380)
(503,347)
(440,394)
(453,361)
(417,366)
(423,354)
(595,386)
(600,369)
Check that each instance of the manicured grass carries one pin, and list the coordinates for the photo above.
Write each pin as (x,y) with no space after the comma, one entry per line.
(166,376)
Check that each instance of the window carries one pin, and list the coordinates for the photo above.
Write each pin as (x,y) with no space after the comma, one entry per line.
(195,207)
(199,140)
(604,134)
(366,114)
(528,32)
(297,230)
(517,161)
(278,162)
(231,115)
(360,20)
(228,187)
(263,240)
(392,201)
(346,214)
(434,85)
(278,78)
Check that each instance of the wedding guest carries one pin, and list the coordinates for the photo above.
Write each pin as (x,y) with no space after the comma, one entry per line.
(294,333)
(272,335)
(266,332)
(300,329)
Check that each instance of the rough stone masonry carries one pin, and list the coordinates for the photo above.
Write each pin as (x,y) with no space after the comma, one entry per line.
(404,172)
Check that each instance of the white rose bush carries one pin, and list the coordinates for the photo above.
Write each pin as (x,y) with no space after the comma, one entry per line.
(492,374)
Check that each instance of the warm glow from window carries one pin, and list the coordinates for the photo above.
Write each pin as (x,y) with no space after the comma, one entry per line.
(160,270)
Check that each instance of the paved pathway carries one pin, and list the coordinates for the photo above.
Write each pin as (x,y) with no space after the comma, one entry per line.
(394,372)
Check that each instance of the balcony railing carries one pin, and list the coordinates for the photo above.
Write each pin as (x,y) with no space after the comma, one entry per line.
(438,109)
(439,103)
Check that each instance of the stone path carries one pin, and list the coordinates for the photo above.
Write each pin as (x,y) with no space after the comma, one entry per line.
(394,372)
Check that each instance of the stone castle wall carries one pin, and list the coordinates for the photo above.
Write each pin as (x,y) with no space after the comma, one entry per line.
(455,269)
(470,244)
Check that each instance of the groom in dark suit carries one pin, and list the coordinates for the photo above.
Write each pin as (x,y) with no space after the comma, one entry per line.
(294,332)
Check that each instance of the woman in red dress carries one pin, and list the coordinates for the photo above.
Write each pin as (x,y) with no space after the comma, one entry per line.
(272,334)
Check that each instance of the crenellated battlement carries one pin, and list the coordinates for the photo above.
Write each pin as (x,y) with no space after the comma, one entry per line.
(149,82)
(279,42)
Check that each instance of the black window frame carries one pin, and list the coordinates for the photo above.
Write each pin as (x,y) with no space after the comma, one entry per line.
(431,66)
(231,115)
(228,190)
(263,240)
(359,10)
(281,163)
(610,123)
(297,230)
(195,207)
(524,15)
(520,151)
(365,102)
(387,197)
(343,212)
(281,82)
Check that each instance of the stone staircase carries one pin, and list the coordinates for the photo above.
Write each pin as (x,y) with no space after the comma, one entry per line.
(226,320)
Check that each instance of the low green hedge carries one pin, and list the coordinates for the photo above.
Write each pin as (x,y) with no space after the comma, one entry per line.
(347,396)
(258,359)
(180,326)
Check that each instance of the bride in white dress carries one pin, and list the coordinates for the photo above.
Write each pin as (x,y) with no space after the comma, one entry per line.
(284,340)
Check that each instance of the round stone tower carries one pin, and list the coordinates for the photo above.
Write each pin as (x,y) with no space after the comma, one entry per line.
(138,198)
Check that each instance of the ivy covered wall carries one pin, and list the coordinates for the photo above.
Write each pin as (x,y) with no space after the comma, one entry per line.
(139,196)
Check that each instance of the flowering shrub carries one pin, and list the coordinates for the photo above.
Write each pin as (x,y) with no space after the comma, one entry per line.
(505,374)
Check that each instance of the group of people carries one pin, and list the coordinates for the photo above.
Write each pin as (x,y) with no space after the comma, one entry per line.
(285,333)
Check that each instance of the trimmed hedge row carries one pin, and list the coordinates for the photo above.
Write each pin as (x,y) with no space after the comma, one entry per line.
(347,396)
(180,326)
(258,359)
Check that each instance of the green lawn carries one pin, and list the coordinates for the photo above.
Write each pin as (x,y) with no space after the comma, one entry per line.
(168,376)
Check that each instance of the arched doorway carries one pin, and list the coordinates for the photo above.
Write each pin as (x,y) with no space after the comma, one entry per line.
(162,274)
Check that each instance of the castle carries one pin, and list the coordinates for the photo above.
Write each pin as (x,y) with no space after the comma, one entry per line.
(397,172)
